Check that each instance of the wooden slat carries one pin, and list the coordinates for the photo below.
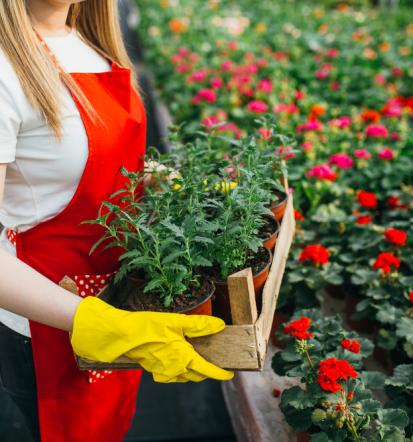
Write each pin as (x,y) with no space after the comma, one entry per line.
(234,348)
(242,297)
(273,284)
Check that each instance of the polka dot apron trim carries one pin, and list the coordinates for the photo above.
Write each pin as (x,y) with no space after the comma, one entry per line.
(87,285)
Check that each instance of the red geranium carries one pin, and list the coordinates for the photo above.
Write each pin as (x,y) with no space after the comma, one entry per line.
(367,199)
(299,328)
(352,346)
(315,253)
(298,215)
(395,236)
(385,261)
(332,370)
(364,219)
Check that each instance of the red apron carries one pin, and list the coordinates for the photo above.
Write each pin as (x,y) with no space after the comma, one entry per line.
(71,409)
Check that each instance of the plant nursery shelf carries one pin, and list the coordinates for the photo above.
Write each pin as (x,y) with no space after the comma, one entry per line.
(243,345)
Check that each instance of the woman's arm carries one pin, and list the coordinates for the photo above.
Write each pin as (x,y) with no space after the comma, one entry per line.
(28,293)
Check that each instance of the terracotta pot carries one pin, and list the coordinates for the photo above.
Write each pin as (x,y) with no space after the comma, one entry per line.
(270,242)
(278,209)
(364,325)
(221,305)
(204,307)
(279,319)
(303,437)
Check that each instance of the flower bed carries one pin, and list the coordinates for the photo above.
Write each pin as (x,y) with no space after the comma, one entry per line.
(339,79)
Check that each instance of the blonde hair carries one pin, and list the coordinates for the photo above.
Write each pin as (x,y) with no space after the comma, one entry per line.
(96,21)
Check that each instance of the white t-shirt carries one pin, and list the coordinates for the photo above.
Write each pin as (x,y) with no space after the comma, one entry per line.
(42,173)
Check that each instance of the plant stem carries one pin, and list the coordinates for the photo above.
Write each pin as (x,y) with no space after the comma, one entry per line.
(310,362)
(353,431)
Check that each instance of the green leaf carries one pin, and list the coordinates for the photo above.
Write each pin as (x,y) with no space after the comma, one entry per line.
(373,379)
(152,285)
(393,417)
(172,257)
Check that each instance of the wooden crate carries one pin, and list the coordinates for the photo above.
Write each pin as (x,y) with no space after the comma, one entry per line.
(243,345)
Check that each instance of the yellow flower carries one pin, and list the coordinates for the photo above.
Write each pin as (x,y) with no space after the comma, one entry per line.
(226,186)
(176,186)
(404,50)
(260,28)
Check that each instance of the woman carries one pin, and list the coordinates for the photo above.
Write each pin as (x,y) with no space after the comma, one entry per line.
(70,117)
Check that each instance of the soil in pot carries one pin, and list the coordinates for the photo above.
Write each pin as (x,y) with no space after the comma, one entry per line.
(130,296)
(269,232)
(260,264)
(278,206)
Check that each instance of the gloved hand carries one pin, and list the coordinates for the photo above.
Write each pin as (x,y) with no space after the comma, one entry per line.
(156,341)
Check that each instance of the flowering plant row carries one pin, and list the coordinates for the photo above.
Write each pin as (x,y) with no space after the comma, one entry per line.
(336,399)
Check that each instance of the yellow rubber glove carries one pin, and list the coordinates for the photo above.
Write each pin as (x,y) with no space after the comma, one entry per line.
(156,341)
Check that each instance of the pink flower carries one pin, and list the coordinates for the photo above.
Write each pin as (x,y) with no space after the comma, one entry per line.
(324,71)
(183,51)
(362,154)
(322,172)
(379,79)
(182,68)
(335,85)
(341,160)
(332,53)
(299,95)
(397,72)
(210,121)
(286,108)
(341,122)
(199,75)
(310,125)
(232,45)
(257,106)
(217,82)
(386,154)
(376,131)
(285,152)
(392,110)
(307,146)
(203,95)
(265,85)
(265,133)
(227,65)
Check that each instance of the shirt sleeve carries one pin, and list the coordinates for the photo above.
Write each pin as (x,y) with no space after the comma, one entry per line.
(9,122)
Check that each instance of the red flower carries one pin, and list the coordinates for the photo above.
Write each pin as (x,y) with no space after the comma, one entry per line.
(385,261)
(299,328)
(411,296)
(395,236)
(364,219)
(367,199)
(276,392)
(394,203)
(332,370)
(298,216)
(352,346)
(350,396)
(315,253)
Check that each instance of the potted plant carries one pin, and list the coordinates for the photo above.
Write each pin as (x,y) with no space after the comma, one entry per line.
(164,248)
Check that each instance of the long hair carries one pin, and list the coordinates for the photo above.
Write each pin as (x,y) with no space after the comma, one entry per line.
(96,21)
